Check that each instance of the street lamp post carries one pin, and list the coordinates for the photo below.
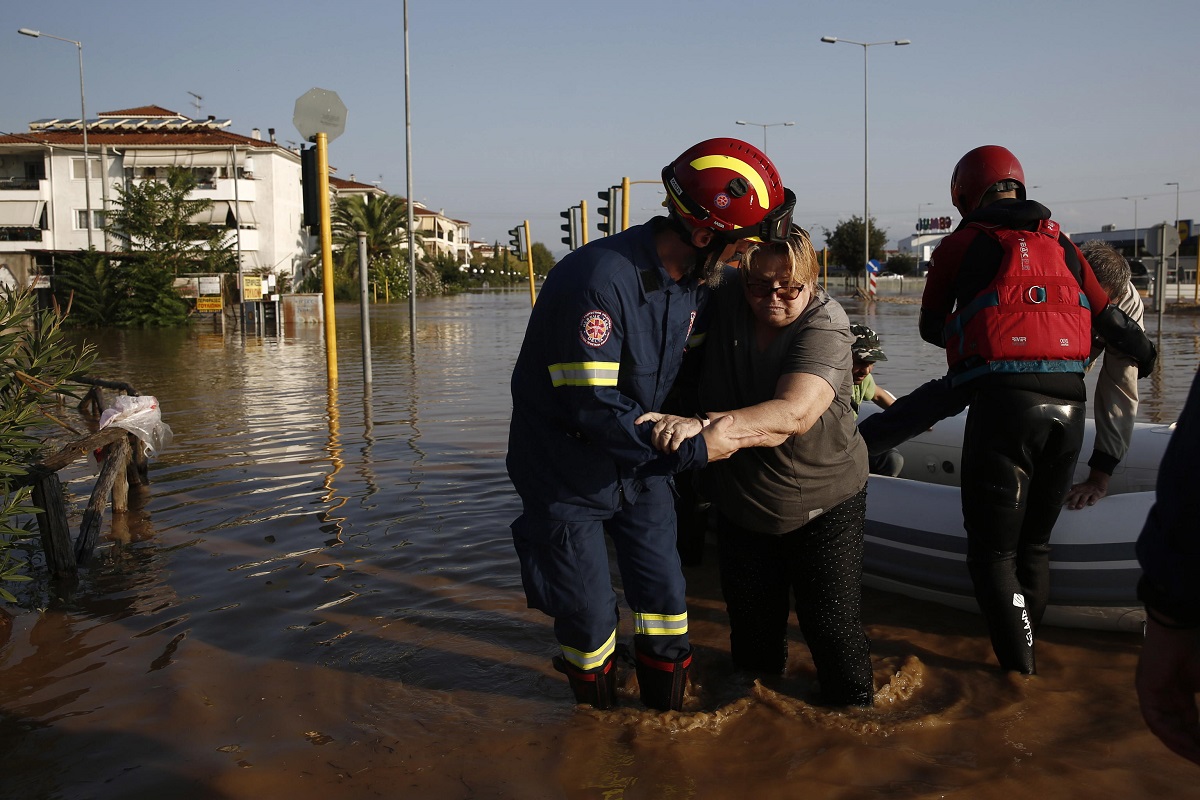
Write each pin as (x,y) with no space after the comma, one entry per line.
(1178,277)
(866,160)
(87,166)
(1135,225)
(764,126)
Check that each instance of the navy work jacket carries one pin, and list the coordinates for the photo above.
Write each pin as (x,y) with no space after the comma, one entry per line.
(604,344)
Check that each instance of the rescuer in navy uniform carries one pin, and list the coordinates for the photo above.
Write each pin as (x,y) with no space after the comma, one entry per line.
(1013,302)
(603,346)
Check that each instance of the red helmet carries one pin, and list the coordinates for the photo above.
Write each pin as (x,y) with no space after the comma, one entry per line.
(730,187)
(980,170)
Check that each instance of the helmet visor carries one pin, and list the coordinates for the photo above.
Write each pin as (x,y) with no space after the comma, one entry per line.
(775,226)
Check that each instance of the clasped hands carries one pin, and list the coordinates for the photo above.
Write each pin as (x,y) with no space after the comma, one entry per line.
(670,431)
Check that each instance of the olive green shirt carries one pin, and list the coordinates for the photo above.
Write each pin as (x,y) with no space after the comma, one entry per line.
(779,489)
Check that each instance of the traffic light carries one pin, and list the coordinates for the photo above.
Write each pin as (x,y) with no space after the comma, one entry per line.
(515,241)
(605,212)
(310,193)
(569,227)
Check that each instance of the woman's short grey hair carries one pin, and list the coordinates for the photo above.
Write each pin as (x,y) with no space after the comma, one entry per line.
(1111,268)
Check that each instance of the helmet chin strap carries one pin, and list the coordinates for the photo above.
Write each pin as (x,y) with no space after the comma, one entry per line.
(706,265)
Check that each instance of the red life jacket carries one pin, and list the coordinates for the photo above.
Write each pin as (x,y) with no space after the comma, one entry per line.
(1032,317)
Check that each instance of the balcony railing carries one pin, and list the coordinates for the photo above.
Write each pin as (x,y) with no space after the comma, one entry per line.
(20,235)
(14,184)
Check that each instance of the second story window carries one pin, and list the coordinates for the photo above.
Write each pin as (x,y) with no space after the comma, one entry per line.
(77,168)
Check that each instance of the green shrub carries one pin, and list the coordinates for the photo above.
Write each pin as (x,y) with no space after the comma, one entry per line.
(38,366)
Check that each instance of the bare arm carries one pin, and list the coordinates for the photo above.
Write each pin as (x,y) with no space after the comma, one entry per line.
(800,400)
(883,398)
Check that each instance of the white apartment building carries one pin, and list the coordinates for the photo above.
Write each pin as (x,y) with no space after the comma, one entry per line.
(441,234)
(254,185)
(44,198)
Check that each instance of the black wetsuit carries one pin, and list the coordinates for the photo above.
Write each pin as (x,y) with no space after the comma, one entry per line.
(1023,434)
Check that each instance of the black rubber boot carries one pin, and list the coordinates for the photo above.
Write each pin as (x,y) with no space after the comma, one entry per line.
(663,682)
(594,687)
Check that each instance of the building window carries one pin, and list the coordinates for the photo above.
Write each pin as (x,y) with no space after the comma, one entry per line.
(77,168)
(81,219)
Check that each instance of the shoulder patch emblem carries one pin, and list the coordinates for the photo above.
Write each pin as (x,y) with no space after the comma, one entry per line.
(595,328)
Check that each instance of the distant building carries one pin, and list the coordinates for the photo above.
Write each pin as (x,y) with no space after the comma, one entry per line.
(340,187)
(1123,239)
(927,235)
(443,235)
(440,233)
(254,185)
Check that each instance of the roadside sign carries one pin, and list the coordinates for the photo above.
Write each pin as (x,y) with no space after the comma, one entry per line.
(252,287)
(187,287)
(208,304)
(1164,237)
(319,111)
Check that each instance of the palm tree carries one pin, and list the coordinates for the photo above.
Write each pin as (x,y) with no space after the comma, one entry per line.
(383,219)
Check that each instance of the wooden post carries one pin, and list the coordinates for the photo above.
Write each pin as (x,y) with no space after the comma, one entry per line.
(115,463)
(120,488)
(52,522)
(138,470)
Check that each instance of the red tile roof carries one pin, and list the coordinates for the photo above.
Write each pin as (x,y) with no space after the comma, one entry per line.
(342,183)
(141,111)
(117,138)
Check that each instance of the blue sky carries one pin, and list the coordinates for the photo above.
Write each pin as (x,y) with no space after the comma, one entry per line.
(523,108)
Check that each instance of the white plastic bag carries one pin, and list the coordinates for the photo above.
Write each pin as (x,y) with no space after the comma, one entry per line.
(140,416)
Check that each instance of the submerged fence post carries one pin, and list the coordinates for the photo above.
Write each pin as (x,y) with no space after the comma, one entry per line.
(115,464)
(52,523)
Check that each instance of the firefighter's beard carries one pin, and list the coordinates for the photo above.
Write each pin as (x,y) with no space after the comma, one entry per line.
(708,266)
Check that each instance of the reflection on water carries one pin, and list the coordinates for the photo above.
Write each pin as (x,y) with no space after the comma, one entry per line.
(319,598)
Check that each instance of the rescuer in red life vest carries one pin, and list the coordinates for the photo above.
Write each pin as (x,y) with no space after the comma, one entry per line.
(1013,302)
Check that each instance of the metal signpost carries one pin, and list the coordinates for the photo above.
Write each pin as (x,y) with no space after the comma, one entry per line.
(320,117)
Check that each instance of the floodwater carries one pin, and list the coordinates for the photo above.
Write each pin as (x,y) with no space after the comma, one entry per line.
(318,598)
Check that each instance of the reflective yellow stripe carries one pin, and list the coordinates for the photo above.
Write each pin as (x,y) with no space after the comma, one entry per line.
(660,624)
(585,373)
(696,339)
(678,205)
(594,659)
(741,168)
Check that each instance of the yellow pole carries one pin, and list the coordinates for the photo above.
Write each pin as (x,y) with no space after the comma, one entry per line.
(625,204)
(327,258)
(529,260)
(583,220)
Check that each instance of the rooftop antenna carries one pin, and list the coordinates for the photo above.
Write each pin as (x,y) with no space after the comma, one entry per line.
(196,102)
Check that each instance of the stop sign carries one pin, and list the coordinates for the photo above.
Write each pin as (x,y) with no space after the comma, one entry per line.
(319,111)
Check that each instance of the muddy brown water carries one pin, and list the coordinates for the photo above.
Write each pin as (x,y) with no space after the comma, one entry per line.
(319,598)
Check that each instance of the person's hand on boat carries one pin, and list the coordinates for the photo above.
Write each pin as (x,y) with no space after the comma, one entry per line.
(669,430)
(1168,677)
(1088,492)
